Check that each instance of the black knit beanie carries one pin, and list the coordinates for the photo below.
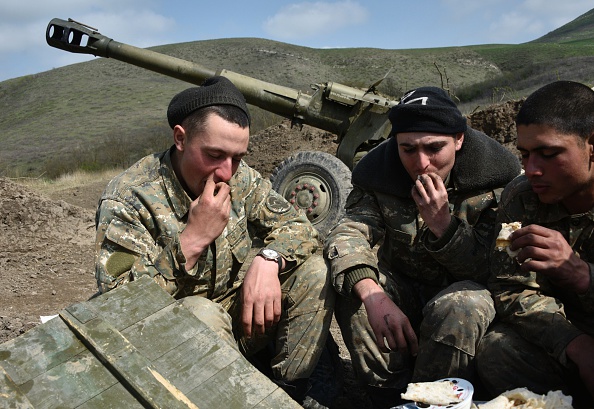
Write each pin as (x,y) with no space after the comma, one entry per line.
(427,109)
(213,91)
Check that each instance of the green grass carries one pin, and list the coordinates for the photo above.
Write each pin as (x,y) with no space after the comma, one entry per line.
(105,113)
(581,28)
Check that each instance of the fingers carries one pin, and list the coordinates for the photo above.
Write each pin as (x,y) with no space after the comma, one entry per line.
(386,341)
(406,340)
(394,337)
(277,312)
(401,338)
(246,319)
(536,237)
(382,341)
(215,196)
(542,250)
(432,180)
(270,317)
(212,189)
(427,186)
(253,320)
(257,320)
(208,188)
(418,192)
(222,189)
(398,341)
(412,342)
(533,231)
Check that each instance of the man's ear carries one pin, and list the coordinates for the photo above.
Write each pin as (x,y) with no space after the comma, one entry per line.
(179,137)
(459,139)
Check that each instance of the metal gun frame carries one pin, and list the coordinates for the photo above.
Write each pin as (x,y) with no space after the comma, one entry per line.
(316,182)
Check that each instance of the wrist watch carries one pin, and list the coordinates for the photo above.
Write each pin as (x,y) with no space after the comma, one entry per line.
(272,255)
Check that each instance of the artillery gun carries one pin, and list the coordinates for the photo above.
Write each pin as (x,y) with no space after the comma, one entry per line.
(314,181)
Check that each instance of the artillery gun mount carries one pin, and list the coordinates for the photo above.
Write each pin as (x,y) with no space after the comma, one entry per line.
(316,182)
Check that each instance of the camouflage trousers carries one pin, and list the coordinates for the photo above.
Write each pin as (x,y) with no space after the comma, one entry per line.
(506,360)
(300,335)
(449,327)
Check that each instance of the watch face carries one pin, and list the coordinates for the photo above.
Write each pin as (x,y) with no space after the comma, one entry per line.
(271,254)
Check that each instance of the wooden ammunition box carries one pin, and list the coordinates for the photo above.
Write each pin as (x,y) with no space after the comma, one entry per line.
(134,347)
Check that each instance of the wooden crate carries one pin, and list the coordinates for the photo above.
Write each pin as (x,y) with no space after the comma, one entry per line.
(134,347)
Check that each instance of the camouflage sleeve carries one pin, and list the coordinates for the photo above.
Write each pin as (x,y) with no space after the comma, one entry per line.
(273,219)
(587,299)
(350,243)
(522,299)
(464,249)
(125,250)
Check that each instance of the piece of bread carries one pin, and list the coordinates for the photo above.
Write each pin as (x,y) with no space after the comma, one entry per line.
(558,400)
(433,393)
(522,398)
(500,402)
(502,242)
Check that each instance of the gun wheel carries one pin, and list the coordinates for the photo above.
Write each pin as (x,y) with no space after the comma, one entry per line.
(316,182)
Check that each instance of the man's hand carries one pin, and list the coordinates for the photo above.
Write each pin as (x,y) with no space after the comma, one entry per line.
(207,218)
(581,351)
(260,296)
(546,251)
(386,319)
(431,197)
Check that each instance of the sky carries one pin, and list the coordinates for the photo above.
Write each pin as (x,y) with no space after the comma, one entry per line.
(386,24)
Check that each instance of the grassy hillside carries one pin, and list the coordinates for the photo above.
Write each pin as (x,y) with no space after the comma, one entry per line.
(106,112)
(526,67)
(579,30)
(566,53)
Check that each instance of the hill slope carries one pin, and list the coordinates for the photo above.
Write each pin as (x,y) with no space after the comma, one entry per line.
(580,29)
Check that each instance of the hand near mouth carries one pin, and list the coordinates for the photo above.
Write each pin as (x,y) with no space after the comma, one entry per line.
(207,218)
(431,198)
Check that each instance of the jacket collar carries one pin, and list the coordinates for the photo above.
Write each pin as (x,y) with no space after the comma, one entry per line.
(481,164)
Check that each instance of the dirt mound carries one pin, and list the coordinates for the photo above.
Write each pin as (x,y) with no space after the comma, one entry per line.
(46,256)
(272,145)
(498,121)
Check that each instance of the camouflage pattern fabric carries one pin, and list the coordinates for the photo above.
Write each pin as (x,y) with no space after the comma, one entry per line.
(451,325)
(143,210)
(408,252)
(307,298)
(506,361)
(373,367)
(408,247)
(141,214)
(545,316)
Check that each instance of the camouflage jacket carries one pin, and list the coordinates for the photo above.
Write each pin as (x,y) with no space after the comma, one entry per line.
(143,210)
(541,312)
(381,209)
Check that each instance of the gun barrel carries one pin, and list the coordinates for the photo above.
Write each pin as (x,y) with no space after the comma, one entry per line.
(331,108)
(71,36)
(287,102)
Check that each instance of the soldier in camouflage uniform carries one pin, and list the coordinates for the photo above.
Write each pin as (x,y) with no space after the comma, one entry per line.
(427,197)
(186,218)
(544,297)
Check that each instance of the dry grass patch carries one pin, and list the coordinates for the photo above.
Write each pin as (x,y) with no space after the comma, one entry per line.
(67,181)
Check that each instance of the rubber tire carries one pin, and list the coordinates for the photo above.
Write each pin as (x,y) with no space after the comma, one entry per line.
(331,180)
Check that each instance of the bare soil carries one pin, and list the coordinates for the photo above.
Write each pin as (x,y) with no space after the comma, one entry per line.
(46,241)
